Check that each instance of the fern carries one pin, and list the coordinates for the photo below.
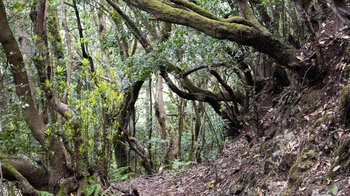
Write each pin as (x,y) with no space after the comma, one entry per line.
(120,174)
(92,189)
(177,164)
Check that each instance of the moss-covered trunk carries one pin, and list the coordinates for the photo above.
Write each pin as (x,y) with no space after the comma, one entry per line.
(239,30)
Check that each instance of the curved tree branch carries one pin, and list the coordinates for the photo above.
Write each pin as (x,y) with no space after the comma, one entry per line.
(142,39)
(239,33)
(233,124)
(194,7)
(81,36)
(227,88)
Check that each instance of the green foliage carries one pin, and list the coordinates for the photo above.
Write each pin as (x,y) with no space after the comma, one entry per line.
(96,101)
(332,192)
(43,193)
(120,174)
(177,164)
(93,189)
(16,138)
(215,6)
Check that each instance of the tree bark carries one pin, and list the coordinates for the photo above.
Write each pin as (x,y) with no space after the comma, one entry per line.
(181,116)
(69,52)
(245,34)
(30,113)
(149,120)
(160,115)
(166,127)
(23,91)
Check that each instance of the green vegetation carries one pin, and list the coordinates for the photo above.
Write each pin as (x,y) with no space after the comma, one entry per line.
(101,91)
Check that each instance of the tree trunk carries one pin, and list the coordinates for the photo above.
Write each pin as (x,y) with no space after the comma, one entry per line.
(123,133)
(4,96)
(160,115)
(69,52)
(149,122)
(181,116)
(239,30)
(25,45)
(165,125)
(58,168)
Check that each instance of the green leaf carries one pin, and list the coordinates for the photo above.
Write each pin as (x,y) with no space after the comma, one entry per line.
(81,148)
(85,62)
(43,193)
(334,190)
(48,132)
(17,5)
(47,83)
(68,114)
(36,37)
(91,142)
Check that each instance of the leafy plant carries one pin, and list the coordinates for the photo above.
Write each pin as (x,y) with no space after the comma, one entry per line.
(43,193)
(332,191)
(177,164)
(120,174)
(92,189)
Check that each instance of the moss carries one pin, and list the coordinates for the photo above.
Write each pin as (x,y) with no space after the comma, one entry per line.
(287,192)
(302,164)
(268,154)
(66,186)
(345,103)
(347,50)
(346,72)
(342,158)
(13,171)
(24,184)
(319,121)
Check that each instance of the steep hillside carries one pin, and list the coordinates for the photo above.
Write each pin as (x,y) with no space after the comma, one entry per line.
(302,146)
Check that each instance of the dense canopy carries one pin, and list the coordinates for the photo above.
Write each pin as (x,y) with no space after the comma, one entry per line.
(94,92)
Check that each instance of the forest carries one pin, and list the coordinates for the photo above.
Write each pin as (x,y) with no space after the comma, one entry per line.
(174,97)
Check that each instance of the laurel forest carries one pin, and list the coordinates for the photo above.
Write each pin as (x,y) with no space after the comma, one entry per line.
(96,92)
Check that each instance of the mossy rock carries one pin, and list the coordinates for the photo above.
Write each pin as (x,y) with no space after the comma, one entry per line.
(341,160)
(345,104)
(303,163)
(287,162)
(346,72)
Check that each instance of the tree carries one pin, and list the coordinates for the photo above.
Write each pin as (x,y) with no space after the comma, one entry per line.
(246,30)
(82,101)
(39,130)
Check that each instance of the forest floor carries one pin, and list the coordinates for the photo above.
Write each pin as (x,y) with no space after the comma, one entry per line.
(304,148)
